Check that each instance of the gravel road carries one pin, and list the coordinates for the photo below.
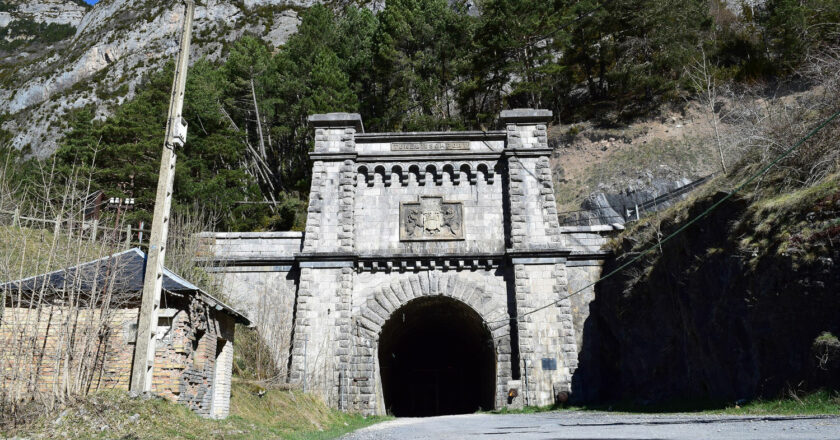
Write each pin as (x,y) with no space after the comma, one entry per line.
(591,425)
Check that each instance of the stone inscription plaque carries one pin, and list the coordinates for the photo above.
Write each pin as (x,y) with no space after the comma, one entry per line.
(431,218)
(429,146)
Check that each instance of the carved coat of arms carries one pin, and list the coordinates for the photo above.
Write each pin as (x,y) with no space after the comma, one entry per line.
(431,219)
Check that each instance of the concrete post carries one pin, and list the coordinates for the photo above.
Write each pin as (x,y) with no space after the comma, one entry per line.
(144,348)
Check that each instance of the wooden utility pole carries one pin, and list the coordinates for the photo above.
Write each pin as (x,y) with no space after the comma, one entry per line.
(176,135)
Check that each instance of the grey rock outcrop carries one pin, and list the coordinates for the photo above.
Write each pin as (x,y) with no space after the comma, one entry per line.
(43,11)
(117,43)
(51,11)
(610,206)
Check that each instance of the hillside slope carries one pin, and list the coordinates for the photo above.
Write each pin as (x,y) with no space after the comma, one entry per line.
(604,170)
(744,303)
(731,309)
(109,49)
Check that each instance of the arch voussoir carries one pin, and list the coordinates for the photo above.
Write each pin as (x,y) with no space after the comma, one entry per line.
(389,296)
(397,288)
(377,310)
(449,285)
(458,288)
(496,318)
(369,314)
(383,302)
(434,283)
(423,278)
(368,324)
(415,286)
(469,292)
(407,289)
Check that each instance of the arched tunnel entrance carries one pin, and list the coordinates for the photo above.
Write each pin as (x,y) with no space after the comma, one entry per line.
(436,357)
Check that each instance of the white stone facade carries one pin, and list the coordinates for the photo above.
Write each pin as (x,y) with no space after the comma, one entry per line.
(337,285)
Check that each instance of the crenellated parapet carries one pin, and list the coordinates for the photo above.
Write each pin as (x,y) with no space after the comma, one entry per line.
(438,173)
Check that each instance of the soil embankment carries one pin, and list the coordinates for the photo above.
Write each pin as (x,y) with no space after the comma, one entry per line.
(733,308)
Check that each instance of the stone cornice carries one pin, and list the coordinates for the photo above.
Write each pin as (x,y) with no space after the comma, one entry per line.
(527,152)
(332,156)
(402,262)
(400,156)
(245,260)
(525,116)
(589,255)
(539,252)
(431,155)
(337,120)
(431,136)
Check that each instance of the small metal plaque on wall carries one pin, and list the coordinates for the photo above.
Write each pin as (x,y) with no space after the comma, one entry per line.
(431,219)
(549,363)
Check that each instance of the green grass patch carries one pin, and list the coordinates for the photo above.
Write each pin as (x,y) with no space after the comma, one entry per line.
(798,200)
(819,402)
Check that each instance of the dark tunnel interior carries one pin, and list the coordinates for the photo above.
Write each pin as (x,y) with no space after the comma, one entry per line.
(436,357)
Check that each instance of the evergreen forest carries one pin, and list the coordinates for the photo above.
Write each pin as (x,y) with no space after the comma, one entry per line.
(423,65)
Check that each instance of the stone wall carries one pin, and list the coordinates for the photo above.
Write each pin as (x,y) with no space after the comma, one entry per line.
(256,270)
(32,344)
(193,352)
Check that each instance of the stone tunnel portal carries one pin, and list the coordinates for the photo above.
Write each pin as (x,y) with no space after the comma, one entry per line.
(436,357)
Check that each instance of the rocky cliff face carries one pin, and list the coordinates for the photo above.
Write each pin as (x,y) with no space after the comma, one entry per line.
(713,319)
(115,44)
(43,11)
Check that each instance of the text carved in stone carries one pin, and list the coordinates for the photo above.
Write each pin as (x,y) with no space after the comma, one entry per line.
(431,219)
(429,146)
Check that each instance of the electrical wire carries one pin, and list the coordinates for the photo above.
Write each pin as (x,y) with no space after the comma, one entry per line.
(683,227)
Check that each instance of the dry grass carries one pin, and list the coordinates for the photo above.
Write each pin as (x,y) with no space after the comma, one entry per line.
(285,414)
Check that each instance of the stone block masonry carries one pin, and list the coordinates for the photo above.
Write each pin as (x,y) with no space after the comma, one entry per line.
(405,229)
(193,355)
(62,340)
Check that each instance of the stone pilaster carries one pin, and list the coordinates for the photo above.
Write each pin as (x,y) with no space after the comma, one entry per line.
(363,370)
(518,210)
(324,301)
(347,185)
(303,310)
(568,342)
(344,351)
(548,202)
(547,351)
(316,205)
(533,214)
(329,225)
(526,339)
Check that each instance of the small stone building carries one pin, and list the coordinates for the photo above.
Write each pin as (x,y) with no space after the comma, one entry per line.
(75,329)
(433,276)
